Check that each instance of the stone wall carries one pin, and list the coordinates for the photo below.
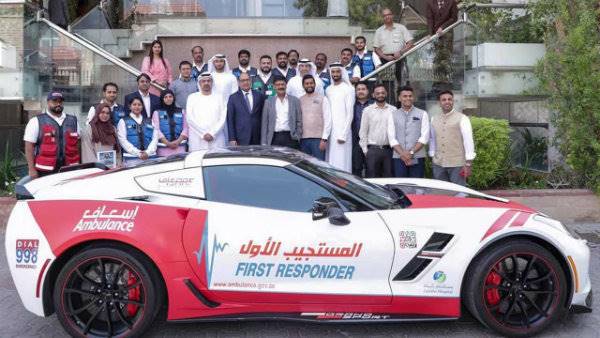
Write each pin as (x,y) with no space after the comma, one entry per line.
(11,28)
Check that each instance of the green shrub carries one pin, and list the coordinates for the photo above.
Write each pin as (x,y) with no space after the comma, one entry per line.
(492,145)
(569,75)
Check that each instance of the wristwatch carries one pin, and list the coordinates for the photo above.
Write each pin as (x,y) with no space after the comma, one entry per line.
(412,153)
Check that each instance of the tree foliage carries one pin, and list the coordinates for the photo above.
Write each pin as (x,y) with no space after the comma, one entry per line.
(506,25)
(365,13)
(570,75)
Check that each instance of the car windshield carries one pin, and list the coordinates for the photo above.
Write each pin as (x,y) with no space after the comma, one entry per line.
(375,195)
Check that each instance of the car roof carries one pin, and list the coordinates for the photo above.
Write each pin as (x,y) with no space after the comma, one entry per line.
(277,153)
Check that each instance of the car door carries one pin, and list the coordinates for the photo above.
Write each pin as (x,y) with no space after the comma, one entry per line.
(259,236)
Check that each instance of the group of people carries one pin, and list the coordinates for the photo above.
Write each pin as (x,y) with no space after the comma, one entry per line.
(324,111)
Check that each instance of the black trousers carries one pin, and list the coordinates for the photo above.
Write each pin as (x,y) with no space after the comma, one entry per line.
(284,139)
(358,158)
(379,161)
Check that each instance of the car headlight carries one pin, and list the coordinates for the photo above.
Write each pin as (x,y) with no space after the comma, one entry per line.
(557,225)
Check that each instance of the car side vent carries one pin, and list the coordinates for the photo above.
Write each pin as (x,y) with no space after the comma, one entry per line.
(412,269)
(437,242)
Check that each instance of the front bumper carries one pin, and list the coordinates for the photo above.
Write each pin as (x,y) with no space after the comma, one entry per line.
(587,307)
(579,264)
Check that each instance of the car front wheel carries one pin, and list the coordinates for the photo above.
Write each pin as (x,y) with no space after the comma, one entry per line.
(107,292)
(517,288)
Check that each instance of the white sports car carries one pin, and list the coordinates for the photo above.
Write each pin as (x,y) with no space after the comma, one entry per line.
(257,233)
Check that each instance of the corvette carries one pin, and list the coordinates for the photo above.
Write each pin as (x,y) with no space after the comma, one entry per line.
(270,233)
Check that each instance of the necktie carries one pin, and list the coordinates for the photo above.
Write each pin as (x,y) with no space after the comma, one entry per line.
(248,101)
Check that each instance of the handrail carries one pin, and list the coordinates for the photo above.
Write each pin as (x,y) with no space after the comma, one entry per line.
(420,44)
(96,49)
(493,5)
(425,41)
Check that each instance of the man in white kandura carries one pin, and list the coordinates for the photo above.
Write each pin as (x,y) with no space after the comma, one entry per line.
(341,99)
(224,82)
(295,87)
(206,113)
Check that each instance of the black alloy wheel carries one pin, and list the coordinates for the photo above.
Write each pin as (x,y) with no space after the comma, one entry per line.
(106,292)
(517,289)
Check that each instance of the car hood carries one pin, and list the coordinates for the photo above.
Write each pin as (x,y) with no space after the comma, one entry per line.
(423,186)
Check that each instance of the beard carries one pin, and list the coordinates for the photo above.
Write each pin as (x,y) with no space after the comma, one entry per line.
(380,99)
(265,70)
(309,90)
(57,109)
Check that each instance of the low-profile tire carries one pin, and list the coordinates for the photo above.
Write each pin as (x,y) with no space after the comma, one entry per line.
(517,302)
(107,291)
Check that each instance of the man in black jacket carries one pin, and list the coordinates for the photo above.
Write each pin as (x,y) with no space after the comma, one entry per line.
(151,101)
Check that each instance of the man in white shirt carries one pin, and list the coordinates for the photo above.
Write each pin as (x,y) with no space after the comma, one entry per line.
(451,142)
(206,114)
(376,131)
(281,118)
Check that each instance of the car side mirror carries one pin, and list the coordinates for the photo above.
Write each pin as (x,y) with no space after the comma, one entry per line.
(328,207)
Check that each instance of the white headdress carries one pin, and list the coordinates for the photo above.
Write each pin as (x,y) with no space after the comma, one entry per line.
(345,77)
(211,66)
(313,68)
(203,75)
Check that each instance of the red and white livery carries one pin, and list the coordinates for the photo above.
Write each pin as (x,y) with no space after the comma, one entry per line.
(253,233)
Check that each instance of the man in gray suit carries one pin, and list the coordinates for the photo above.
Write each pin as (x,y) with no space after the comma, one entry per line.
(281,118)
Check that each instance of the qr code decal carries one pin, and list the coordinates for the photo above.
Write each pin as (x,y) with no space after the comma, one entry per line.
(408,239)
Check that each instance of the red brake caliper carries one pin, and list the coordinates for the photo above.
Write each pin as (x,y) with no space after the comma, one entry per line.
(134,294)
(493,295)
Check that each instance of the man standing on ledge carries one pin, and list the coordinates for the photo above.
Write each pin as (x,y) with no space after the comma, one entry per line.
(441,14)
(391,41)
(451,143)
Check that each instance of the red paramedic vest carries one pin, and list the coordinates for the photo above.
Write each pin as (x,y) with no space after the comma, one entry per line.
(57,145)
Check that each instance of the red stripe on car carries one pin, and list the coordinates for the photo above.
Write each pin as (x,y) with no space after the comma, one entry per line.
(500,223)
(39,281)
(521,219)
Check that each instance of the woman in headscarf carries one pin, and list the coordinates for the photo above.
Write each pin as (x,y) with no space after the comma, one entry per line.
(101,137)
(169,120)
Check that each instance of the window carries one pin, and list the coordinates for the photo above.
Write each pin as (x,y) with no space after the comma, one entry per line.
(262,187)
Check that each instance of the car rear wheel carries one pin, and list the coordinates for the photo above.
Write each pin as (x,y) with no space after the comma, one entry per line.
(107,292)
(517,288)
